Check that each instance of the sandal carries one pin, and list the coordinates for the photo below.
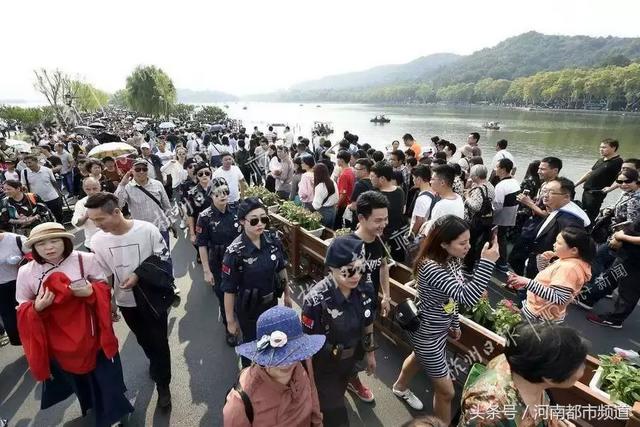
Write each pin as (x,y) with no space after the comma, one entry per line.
(4,340)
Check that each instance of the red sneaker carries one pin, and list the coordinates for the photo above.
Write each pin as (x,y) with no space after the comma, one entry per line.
(362,391)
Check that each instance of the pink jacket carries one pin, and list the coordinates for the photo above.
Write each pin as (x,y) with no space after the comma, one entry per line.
(306,187)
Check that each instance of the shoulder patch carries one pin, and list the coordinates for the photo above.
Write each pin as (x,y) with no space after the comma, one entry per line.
(307,321)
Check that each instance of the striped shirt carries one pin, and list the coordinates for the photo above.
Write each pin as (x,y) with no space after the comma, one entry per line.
(441,288)
(555,295)
(142,207)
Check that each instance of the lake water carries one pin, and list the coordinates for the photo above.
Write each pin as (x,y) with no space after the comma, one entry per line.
(573,137)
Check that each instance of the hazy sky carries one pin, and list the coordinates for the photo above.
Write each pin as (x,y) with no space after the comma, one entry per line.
(246,47)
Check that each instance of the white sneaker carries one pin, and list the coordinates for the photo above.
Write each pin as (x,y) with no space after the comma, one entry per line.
(411,399)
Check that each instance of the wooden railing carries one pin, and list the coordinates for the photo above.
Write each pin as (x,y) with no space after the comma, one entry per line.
(306,255)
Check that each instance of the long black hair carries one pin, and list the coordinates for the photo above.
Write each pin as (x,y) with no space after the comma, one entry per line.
(581,240)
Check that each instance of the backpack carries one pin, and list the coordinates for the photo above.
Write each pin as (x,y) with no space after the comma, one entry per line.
(411,249)
(25,257)
(484,217)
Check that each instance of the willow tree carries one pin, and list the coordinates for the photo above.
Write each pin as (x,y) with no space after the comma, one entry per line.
(150,91)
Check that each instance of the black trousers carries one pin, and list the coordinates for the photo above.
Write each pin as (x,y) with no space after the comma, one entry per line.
(624,274)
(247,323)
(55,206)
(8,305)
(151,333)
(591,203)
(503,231)
(479,236)
(332,377)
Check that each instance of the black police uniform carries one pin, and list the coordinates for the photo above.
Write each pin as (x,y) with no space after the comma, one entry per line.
(197,201)
(252,274)
(216,230)
(343,320)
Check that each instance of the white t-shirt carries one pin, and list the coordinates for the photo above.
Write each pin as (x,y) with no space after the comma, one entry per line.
(503,154)
(120,255)
(8,252)
(444,207)
(12,175)
(89,226)
(40,183)
(165,156)
(422,208)
(233,177)
(31,275)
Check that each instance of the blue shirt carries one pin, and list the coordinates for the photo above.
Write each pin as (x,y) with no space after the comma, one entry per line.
(246,267)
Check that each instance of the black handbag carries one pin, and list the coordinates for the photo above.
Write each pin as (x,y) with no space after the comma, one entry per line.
(407,315)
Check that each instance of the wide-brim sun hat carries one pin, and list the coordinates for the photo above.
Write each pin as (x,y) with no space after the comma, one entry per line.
(47,230)
(281,340)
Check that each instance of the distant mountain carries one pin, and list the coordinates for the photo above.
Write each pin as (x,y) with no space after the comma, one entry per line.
(532,52)
(519,56)
(382,75)
(195,96)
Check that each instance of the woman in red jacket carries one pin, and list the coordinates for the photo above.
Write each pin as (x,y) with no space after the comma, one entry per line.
(64,321)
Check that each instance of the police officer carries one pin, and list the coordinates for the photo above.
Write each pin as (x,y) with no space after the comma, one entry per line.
(253,272)
(198,200)
(216,228)
(336,307)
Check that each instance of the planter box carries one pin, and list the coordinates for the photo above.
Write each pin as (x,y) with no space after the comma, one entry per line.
(596,383)
(317,232)
(273,209)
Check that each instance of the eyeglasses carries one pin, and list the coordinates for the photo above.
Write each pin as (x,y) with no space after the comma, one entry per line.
(263,219)
(143,169)
(347,271)
(556,193)
(204,173)
(624,181)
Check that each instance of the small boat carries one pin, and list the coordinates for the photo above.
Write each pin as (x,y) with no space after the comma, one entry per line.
(492,125)
(318,106)
(301,105)
(322,129)
(226,106)
(380,119)
(244,108)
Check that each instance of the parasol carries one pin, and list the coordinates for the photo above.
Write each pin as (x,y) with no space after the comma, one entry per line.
(167,125)
(97,125)
(112,149)
(104,137)
(18,145)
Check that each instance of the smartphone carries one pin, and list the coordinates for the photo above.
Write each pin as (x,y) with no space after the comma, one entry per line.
(526,192)
(77,284)
(620,225)
(494,234)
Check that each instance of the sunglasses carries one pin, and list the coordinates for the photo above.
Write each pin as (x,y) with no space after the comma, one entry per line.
(347,272)
(204,173)
(624,181)
(140,169)
(221,192)
(263,219)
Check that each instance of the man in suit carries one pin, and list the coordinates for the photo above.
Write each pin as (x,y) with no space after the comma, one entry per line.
(562,213)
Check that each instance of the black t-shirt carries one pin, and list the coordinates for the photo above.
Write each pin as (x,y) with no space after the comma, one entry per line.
(54,161)
(603,173)
(396,206)
(374,254)
(360,187)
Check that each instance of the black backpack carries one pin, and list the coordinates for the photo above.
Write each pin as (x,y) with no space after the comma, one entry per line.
(484,217)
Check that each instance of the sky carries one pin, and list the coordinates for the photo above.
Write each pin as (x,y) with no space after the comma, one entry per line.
(247,47)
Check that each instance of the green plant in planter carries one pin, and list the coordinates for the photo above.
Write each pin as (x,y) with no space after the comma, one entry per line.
(506,317)
(620,379)
(307,220)
(267,197)
(481,313)
(343,232)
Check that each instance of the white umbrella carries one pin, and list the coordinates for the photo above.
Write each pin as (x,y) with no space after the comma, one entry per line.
(112,149)
(19,145)
(167,125)
(96,125)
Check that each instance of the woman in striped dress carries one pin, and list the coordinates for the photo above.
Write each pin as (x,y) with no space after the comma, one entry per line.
(441,287)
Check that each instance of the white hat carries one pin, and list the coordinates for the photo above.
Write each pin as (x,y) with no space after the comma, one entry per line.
(145,145)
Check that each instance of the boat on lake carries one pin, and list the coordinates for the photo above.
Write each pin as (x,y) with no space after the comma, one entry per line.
(322,129)
(380,119)
(492,125)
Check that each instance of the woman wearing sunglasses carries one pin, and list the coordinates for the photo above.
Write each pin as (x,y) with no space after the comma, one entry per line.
(216,228)
(441,287)
(198,199)
(253,272)
(335,307)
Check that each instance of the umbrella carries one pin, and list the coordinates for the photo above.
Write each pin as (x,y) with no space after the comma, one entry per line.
(143,119)
(19,145)
(97,125)
(167,125)
(112,149)
(82,130)
(104,137)
(139,127)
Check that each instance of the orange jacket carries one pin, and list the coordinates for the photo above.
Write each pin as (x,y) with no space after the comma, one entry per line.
(71,330)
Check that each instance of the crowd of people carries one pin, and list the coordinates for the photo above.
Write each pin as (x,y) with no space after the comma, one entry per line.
(454,218)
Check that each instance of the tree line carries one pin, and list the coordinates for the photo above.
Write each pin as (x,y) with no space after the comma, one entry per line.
(611,88)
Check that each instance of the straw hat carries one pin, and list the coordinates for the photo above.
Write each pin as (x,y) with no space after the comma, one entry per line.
(47,230)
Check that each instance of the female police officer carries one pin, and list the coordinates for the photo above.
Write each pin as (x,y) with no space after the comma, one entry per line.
(253,272)
(217,227)
(336,308)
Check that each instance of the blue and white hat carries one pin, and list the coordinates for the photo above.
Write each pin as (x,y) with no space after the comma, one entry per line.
(280,339)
